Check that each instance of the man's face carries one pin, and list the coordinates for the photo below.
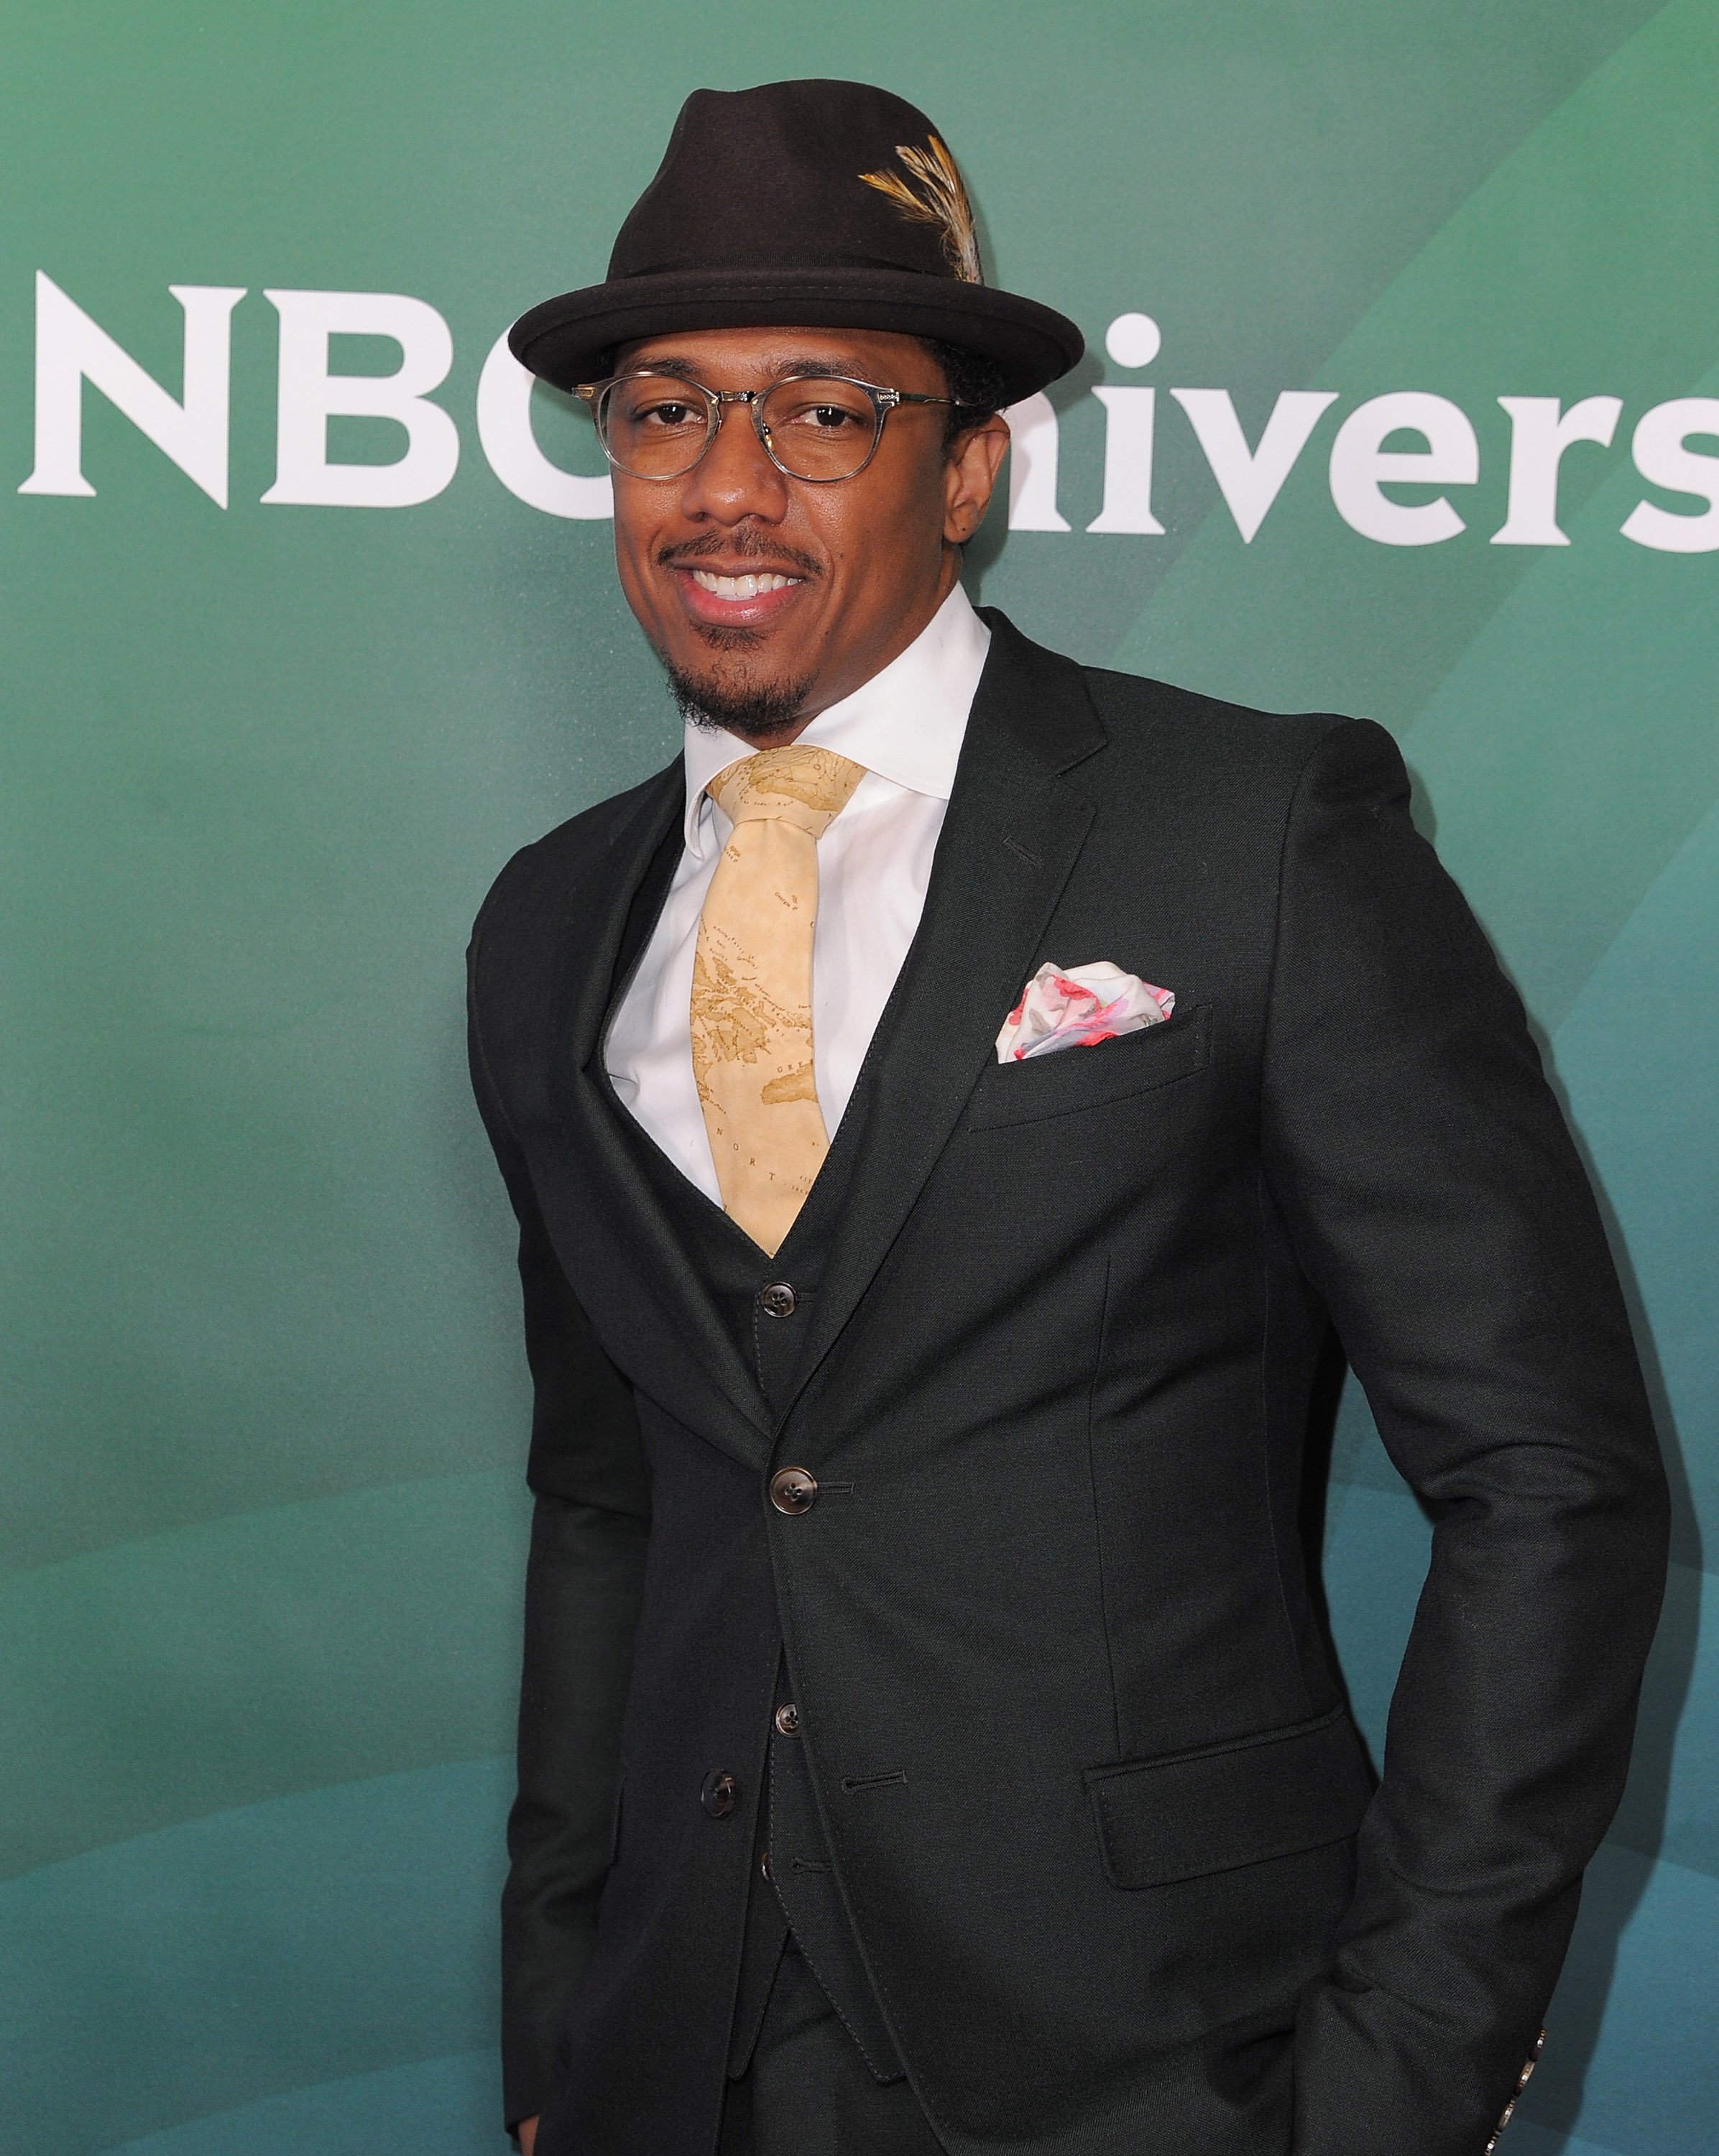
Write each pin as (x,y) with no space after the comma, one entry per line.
(867,561)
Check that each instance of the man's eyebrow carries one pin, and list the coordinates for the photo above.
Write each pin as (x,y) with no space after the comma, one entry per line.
(779,370)
(682,369)
(814,363)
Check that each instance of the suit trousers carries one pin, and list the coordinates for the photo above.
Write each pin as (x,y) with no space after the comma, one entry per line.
(807,2090)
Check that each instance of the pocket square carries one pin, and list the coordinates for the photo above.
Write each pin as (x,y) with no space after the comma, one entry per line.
(1076,1006)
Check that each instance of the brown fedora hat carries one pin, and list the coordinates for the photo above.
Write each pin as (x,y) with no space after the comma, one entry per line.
(830,204)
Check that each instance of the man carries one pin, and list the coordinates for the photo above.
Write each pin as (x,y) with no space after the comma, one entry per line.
(927,1739)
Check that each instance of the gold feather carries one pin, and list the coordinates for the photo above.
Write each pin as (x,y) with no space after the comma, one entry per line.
(939,199)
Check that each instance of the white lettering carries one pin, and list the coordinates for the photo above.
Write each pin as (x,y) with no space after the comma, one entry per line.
(1538,439)
(1129,420)
(1250,481)
(309,396)
(1360,467)
(505,429)
(1133,340)
(1034,444)
(71,349)
(1660,454)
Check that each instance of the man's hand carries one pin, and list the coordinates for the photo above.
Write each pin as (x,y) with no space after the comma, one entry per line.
(527,2135)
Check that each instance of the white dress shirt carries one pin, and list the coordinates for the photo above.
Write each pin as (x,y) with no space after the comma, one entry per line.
(906,725)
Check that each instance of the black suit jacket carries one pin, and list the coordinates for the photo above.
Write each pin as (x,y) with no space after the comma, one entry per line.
(1081,1752)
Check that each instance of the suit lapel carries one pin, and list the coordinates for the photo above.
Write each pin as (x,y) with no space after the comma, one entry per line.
(692,1354)
(1013,829)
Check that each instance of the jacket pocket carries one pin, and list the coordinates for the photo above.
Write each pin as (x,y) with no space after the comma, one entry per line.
(1193,1812)
(1069,1079)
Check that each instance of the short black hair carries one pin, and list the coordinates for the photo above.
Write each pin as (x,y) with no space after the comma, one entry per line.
(974,381)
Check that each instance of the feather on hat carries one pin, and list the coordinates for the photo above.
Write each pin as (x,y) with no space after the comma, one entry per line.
(940,199)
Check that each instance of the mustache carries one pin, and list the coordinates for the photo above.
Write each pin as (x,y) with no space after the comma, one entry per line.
(739,544)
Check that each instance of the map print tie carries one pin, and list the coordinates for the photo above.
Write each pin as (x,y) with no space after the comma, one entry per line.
(752,984)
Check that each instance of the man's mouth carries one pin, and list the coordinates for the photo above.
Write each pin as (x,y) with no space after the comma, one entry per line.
(735,598)
(748,587)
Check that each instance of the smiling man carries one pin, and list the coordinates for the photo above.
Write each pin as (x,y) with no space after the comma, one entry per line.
(947,1111)
(769,600)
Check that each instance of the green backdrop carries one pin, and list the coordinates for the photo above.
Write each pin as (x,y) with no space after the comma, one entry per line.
(262,1412)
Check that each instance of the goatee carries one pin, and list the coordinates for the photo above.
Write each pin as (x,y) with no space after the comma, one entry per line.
(753,709)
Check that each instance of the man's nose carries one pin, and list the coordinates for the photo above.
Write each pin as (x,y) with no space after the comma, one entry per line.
(734,479)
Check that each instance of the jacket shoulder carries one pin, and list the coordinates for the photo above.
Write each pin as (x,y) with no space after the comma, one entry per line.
(1159,717)
(1223,764)
(542,870)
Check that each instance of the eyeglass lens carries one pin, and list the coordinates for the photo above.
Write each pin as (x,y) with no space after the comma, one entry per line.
(655,426)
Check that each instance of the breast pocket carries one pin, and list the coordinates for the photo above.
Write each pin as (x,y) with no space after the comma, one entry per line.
(1071,1079)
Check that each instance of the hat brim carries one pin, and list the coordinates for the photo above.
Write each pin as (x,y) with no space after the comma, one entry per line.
(564,341)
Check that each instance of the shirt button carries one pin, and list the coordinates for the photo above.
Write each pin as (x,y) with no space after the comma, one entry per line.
(778,1299)
(787,1719)
(719,1795)
(792,1490)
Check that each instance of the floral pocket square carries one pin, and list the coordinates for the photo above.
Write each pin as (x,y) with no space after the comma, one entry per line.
(1076,1006)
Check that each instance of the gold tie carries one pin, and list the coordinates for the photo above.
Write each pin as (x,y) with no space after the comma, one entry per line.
(752,984)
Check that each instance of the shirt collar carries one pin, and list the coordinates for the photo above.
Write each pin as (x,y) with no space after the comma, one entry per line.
(906,723)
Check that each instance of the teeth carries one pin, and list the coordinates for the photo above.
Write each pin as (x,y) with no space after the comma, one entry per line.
(741,587)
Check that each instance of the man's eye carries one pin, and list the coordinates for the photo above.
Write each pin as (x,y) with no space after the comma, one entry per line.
(827,418)
(664,415)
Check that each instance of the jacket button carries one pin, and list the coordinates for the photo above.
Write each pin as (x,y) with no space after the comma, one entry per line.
(792,1490)
(720,1795)
(778,1299)
(787,1719)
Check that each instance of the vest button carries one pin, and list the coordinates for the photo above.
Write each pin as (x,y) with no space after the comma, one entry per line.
(778,1299)
(787,1719)
(792,1490)
(719,1795)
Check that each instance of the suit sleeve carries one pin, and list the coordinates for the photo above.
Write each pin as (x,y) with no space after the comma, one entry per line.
(584,1582)
(1438,1204)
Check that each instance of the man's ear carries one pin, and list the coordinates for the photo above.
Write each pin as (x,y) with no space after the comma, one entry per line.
(969,474)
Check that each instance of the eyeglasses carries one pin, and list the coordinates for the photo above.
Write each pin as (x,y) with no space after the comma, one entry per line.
(816,427)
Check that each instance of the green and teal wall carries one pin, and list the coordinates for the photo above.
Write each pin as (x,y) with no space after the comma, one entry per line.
(262,1410)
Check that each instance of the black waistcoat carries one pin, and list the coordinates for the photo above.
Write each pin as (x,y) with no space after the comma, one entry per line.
(736,1271)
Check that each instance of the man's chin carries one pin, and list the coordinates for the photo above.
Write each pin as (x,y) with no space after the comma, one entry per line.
(737,700)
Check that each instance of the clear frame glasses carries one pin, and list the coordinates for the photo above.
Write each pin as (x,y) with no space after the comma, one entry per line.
(815,427)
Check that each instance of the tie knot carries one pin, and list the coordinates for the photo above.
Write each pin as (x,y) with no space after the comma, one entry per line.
(800,785)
